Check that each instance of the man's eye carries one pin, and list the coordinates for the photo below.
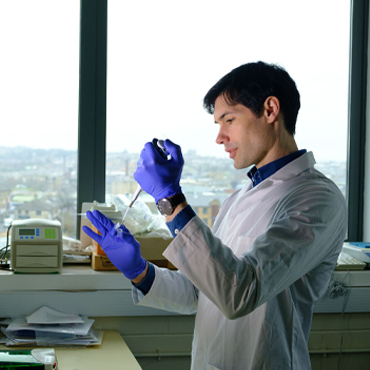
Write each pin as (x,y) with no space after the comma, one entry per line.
(229,121)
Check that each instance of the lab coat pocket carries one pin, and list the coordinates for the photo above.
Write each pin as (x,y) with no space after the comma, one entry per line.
(243,244)
(211,367)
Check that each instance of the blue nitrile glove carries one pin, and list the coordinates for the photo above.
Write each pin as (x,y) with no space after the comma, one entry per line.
(122,249)
(158,176)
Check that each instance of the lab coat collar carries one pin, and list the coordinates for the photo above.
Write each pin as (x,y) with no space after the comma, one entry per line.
(264,172)
(292,169)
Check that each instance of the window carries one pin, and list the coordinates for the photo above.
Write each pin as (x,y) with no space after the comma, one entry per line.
(164,56)
(39,110)
(39,91)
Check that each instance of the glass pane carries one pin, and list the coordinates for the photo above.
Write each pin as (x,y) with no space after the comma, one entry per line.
(163,57)
(39,111)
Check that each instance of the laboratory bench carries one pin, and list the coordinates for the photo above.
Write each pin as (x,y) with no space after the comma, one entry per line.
(113,353)
(81,290)
(78,289)
(158,337)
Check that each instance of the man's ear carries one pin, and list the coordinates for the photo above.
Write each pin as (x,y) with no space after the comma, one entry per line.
(271,108)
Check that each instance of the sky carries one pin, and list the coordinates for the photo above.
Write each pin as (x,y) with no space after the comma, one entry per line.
(163,57)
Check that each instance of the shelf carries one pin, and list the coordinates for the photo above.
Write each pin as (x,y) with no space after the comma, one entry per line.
(72,278)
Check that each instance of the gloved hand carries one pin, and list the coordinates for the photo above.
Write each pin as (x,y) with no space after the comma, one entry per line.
(158,176)
(122,249)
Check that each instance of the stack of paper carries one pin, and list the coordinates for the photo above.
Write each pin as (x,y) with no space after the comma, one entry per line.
(47,327)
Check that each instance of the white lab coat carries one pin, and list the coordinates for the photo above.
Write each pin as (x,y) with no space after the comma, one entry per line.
(253,280)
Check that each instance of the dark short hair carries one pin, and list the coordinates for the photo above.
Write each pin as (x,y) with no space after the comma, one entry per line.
(251,84)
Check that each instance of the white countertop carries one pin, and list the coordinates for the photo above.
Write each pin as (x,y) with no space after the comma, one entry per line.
(73,277)
(83,277)
(108,293)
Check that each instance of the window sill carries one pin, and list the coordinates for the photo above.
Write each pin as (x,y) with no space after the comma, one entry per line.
(79,289)
(73,277)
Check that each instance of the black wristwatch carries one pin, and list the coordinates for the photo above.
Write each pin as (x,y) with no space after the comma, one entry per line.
(167,205)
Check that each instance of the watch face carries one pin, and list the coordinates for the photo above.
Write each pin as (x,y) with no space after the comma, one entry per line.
(165,207)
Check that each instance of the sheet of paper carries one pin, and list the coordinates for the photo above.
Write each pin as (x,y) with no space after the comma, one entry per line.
(21,324)
(50,327)
(93,338)
(76,329)
(46,315)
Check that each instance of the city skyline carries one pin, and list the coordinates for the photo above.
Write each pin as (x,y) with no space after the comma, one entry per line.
(163,98)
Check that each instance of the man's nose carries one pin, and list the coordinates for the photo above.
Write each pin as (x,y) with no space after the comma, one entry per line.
(221,137)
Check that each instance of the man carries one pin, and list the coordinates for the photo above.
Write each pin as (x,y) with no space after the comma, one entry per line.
(254,278)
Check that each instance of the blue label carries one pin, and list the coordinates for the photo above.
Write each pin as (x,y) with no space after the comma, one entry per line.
(361,244)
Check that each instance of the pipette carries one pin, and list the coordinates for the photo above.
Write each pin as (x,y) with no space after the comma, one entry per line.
(159,145)
(133,200)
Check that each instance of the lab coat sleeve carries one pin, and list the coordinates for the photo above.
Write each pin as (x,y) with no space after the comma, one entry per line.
(171,291)
(307,229)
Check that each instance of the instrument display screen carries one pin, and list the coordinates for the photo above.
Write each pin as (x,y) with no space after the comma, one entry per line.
(27,232)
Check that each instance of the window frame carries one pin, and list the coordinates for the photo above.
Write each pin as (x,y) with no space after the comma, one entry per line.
(357,97)
(93,95)
(92,104)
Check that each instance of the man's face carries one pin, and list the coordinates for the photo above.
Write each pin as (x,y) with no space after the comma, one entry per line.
(246,137)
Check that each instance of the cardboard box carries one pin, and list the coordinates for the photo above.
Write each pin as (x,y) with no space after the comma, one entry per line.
(151,250)
(97,248)
(99,262)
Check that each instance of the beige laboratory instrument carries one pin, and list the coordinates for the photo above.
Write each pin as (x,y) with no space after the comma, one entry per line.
(36,246)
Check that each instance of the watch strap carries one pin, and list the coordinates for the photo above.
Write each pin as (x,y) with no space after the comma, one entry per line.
(177,199)
(173,202)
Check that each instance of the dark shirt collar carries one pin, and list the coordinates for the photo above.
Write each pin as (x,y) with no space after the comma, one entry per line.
(258,175)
